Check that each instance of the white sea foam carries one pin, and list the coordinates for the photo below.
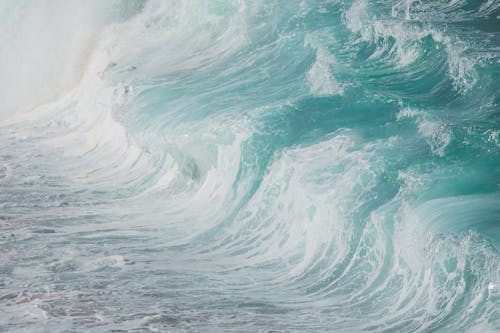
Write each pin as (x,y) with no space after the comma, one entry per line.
(321,75)
(321,78)
(436,133)
(299,213)
(331,231)
(408,37)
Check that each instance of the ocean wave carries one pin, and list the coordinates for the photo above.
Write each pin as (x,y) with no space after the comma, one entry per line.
(249,166)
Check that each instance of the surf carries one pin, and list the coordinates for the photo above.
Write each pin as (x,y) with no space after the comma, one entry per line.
(249,165)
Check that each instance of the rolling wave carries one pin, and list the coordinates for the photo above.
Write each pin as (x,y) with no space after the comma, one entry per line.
(243,166)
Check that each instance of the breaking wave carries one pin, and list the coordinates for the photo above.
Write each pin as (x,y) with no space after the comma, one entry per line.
(243,166)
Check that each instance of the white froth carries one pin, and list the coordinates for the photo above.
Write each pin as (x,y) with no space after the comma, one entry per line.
(321,78)
(436,133)
(408,38)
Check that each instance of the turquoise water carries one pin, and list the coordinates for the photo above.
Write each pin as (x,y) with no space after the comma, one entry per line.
(249,166)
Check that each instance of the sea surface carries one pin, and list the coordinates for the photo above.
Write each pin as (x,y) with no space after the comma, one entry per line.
(250,166)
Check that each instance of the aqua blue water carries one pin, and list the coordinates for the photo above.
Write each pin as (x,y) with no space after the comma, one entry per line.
(249,166)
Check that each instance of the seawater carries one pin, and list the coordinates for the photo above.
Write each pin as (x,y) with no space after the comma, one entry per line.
(249,166)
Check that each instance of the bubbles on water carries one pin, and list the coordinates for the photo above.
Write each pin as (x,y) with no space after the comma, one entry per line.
(321,77)
(436,133)
(460,67)
(163,196)
(405,41)
(356,17)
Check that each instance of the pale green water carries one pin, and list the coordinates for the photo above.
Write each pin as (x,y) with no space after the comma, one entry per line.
(249,166)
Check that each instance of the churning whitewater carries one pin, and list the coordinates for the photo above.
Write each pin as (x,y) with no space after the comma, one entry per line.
(249,166)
